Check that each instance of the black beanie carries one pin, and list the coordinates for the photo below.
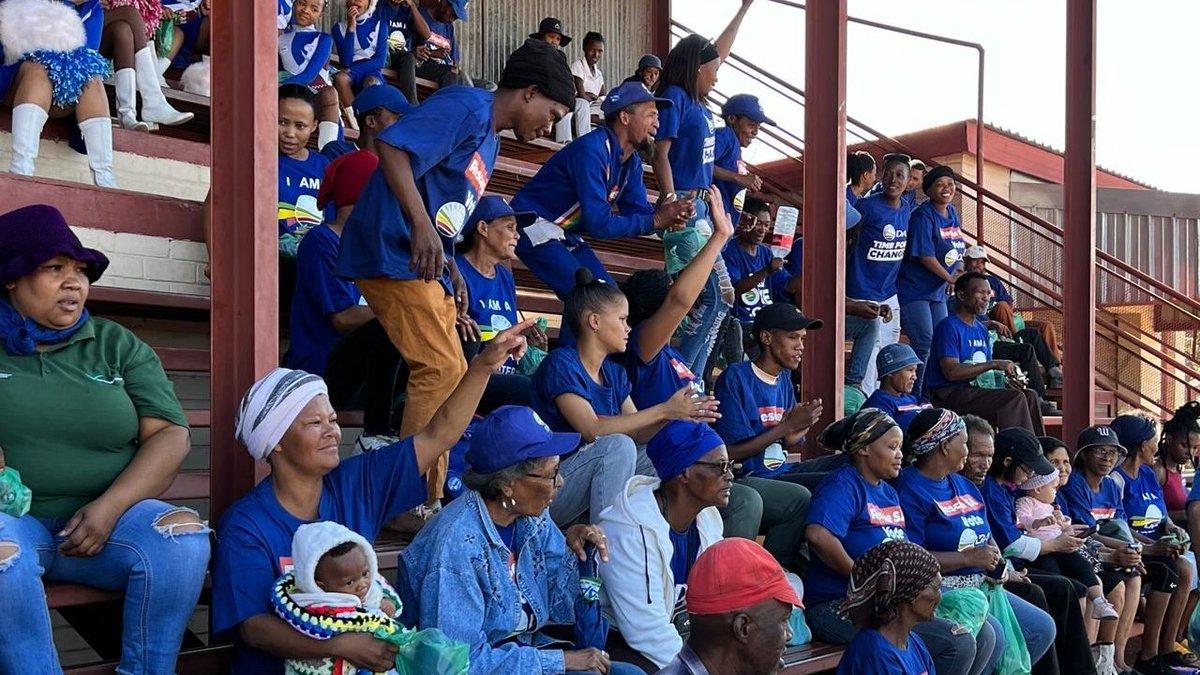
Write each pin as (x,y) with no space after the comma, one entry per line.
(934,174)
(539,64)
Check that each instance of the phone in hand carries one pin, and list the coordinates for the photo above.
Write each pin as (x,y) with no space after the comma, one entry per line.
(1085,533)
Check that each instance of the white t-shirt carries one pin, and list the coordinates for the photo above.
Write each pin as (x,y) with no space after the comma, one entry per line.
(592,83)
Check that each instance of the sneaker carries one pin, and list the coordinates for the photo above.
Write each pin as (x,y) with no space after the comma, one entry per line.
(367,443)
(1049,409)
(1184,660)
(1103,656)
(1056,377)
(1154,666)
(1103,610)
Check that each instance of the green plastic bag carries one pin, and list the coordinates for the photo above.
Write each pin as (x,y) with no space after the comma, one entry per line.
(1015,659)
(852,400)
(427,652)
(14,496)
(164,37)
(967,607)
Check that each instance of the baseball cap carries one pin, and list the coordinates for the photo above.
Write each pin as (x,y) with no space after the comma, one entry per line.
(382,96)
(746,105)
(460,8)
(649,61)
(1096,436)
(735,574)
(783,316)
(1132,431)
(895,357)
(630,93)
(976,252)
(492,207)
(513,434)
(1024,449)
(551,25)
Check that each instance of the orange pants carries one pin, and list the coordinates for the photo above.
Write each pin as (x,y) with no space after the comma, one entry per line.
(1003,312)
(419,320)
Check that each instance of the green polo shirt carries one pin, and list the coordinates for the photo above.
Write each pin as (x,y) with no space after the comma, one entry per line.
(69,415)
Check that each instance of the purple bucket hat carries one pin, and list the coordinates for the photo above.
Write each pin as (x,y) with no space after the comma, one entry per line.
(31,235)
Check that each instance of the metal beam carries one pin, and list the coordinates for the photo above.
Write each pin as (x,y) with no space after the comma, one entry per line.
(1079,218)
(244,328)
(824,268)
(660,28)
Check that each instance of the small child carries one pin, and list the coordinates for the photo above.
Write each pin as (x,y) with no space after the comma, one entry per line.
(362,47)
(304,59)
(1039,515)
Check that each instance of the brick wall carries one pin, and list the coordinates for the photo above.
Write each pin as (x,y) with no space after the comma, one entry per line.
(149,263)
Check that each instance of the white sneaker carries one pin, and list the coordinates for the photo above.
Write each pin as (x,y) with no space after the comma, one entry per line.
(367,443)
(1103,656)
(1103,610)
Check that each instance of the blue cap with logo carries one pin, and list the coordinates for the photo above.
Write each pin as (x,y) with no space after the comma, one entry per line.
(460,8)
(894,358)
(746,105)
(382,96)
(630,93)
(511,435)
(492,207)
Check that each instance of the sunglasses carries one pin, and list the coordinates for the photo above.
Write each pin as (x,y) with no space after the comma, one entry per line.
(726,467)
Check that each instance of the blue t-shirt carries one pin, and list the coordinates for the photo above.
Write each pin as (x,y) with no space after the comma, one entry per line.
(1001,503)
(255,537)
(729,157)
(953,338)
(902,408)
(658,380)
(299,182)
(945,515)
(999,291)
(452,148)
(749,407)
(562,372)
(1089,508)
(859,514)
(851,198)
(319,295)
(690,128)
(741,265)
(1143,501)
(874,261)
(493,302)
(401,25)
(441,36)
(685,546)
(870,653)
(929,234)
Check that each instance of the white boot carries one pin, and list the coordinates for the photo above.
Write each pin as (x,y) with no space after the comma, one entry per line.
(97,136)
(125,85)
(28,119)
(1103,656)
(351,120)
(327,132)
(162,63)
(154,104)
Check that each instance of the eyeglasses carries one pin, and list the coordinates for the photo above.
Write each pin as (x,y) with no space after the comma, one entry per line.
(1105,453)
(553,479)
(726,467)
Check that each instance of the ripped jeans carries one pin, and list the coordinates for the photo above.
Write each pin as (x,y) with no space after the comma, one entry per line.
(160,567)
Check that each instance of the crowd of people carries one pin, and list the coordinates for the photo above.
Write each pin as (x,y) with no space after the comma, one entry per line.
(642,492)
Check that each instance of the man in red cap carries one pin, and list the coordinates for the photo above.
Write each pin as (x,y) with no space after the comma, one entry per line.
(739,601)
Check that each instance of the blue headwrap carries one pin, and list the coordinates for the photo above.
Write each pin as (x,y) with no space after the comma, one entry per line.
(1132,431)
(678,445)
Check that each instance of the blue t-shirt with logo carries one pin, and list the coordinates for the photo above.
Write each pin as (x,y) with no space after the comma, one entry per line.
(728,156)
(690,128)
(1143,501)
(361,493)
(953,338)
(902,408)
(741,265)
(685,546)
(452,147)
(562,372)
(319,295)
(441,35)
(1001,504)
(1091,508)
(934,235)
(874,262)
(860,515)
(870,653)
(656,381)
(493,302)
(945,515)
(299,182)
(750,406)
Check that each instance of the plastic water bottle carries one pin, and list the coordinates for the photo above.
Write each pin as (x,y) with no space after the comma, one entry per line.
(785,231)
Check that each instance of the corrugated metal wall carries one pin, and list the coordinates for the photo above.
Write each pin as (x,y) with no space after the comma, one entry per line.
(497,27)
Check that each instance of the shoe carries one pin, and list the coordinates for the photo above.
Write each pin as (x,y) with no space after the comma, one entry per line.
(1177,659)
(154,103)
(1153,666)
(125,86)
(1103,656)
(1056,377)
(1049,409)
(367,443)
(28,119)
(97,136)
(1103,610)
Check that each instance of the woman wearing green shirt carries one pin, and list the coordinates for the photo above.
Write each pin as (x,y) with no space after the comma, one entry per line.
(89,419)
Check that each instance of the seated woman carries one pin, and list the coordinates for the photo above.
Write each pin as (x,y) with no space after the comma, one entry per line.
(1179,445)
(286,419)
(855,509)
(579,389)
(897,366)
(893,588)
(91,423)
(491,569)
(945,513)
(656,529)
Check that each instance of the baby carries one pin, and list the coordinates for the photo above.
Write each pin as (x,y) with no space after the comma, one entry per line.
(1039,516)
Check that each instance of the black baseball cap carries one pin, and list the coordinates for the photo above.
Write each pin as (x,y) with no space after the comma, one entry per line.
(1024,449)
(1096,436)
(783,316)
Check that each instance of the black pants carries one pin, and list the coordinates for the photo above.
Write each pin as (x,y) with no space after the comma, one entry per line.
(1026,357)
(443,74)
(1071,643)
(507,389)
(1033,337)
(1070,565)
(362,372)
(402,61)
(1003,408)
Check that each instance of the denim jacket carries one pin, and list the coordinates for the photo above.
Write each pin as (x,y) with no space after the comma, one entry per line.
(454,576)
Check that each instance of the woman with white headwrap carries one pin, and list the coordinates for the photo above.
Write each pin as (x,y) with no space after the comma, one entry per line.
(287,420)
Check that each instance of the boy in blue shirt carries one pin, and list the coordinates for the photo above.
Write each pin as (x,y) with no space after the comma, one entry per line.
(437,58)
(897,366)
(962,351)
(750,264)
(434,166)
(743,115)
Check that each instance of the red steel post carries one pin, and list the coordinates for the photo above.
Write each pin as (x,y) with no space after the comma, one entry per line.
(660,28)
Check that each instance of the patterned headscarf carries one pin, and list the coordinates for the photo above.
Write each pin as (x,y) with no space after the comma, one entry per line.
(271,405)
(946,427)
(861,429)
(884,578)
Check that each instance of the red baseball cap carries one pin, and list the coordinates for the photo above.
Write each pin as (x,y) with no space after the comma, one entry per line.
(345,179)
(735,574)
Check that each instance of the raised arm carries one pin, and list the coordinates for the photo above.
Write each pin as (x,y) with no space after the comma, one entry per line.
(724,43)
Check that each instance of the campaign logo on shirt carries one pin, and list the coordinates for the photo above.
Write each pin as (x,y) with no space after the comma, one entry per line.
(710,141)
(439,41)
(450,218)
(1150,518)
(970,539)
(739,200)
(771,415)
(885,515)
(1100,513)
(285,565)
(891,247)
(959,505)
(951,257)
(685,374)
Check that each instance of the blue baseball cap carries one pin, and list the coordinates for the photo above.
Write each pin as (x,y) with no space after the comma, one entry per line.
(894,358)
(511,435)
(460,8)
(678,445)
(746,105)
(630,93)
(382,96)
(492,207)
(650,61)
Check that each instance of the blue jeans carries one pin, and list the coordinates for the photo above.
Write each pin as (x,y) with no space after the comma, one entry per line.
(918,319)
(698,331)
(593,476)
(864,333)
(160,569)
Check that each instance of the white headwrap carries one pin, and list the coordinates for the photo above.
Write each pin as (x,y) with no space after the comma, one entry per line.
(271,405)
